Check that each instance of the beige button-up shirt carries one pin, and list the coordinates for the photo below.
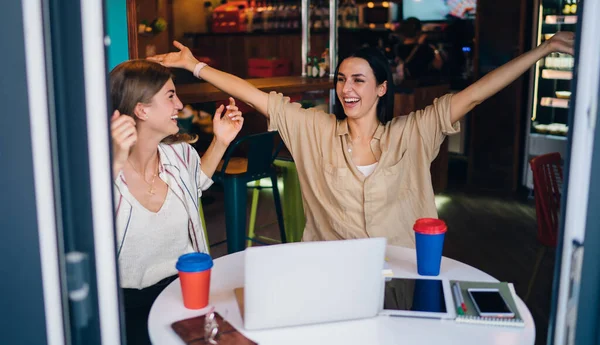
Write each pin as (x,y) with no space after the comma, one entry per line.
(339,201)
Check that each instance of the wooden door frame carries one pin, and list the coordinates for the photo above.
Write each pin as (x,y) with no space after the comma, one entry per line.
(132,23)
(132,29)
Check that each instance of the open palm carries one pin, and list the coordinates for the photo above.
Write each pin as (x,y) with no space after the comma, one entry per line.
(227,127)
(181,59)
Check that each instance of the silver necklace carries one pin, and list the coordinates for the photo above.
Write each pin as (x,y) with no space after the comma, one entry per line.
(351,141)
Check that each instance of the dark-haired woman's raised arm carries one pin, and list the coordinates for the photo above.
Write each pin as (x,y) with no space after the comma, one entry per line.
(493,82)
(228,83)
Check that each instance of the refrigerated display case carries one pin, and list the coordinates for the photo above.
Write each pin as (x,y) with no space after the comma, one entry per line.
(550,85)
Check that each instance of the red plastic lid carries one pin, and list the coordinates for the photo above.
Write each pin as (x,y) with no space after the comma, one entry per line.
(430,226)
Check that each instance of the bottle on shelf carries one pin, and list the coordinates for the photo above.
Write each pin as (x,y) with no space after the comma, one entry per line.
(315,67)
(250,16)
(268,16)
(291,14)
(315,16)
(322,68)
(325,58)
(309,67)
(275,16)
(325,14)
(284,16)
(258,18)
(208,15)
(295,15)
(348,15)
(278,16)
(341,15)
(352,15)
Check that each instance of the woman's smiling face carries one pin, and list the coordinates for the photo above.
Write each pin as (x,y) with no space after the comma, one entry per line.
(357,88)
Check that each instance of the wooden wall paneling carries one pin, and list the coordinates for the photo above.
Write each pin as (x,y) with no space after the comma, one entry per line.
(170,20)
(250,51)
(318,43)
(236,63)
(296,54)
(495,125)
(231,52)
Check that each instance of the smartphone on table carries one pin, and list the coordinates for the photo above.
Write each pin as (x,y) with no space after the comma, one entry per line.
(489,303)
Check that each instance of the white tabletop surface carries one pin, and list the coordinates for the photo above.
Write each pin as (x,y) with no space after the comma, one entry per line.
(228,273)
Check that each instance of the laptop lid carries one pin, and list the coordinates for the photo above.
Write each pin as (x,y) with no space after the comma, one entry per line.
(313,282)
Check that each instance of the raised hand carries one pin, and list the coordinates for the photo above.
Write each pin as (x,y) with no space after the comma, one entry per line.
(181,59)
(562,42)
(124,136)
(226,127)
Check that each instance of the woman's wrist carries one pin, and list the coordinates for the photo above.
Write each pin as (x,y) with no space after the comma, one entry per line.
(191,64)
(219,143)
(117,168)
(546,48)
(199,66)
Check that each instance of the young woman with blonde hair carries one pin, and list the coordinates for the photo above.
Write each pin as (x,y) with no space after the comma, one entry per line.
(158,179)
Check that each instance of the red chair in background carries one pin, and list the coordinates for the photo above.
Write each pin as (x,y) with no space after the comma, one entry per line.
(547,186)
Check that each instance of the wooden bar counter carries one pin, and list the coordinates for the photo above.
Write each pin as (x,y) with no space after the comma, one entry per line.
(205,92)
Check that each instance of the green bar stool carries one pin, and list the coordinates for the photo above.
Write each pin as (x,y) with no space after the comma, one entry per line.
(257,186)
(293,211)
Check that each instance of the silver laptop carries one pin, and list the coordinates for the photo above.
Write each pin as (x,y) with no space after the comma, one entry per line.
(313,282)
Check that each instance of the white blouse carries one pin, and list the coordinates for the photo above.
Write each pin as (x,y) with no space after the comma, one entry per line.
(180,169)
(155,242)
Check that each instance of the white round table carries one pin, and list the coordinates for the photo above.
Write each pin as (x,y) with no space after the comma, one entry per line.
(228,273)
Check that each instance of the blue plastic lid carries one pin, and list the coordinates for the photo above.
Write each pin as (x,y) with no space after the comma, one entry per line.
(194,262)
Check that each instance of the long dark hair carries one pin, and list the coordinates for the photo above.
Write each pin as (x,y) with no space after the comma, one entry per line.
(137,81)
(381,70)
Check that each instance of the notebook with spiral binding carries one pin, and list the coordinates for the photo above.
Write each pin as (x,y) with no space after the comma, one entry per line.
(471,316)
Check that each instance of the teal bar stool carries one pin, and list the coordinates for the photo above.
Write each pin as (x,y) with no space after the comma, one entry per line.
(236,172)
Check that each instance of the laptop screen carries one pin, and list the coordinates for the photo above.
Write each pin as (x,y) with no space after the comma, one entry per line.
(425,295)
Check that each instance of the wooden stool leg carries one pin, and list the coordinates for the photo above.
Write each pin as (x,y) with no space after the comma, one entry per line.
(540,256)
